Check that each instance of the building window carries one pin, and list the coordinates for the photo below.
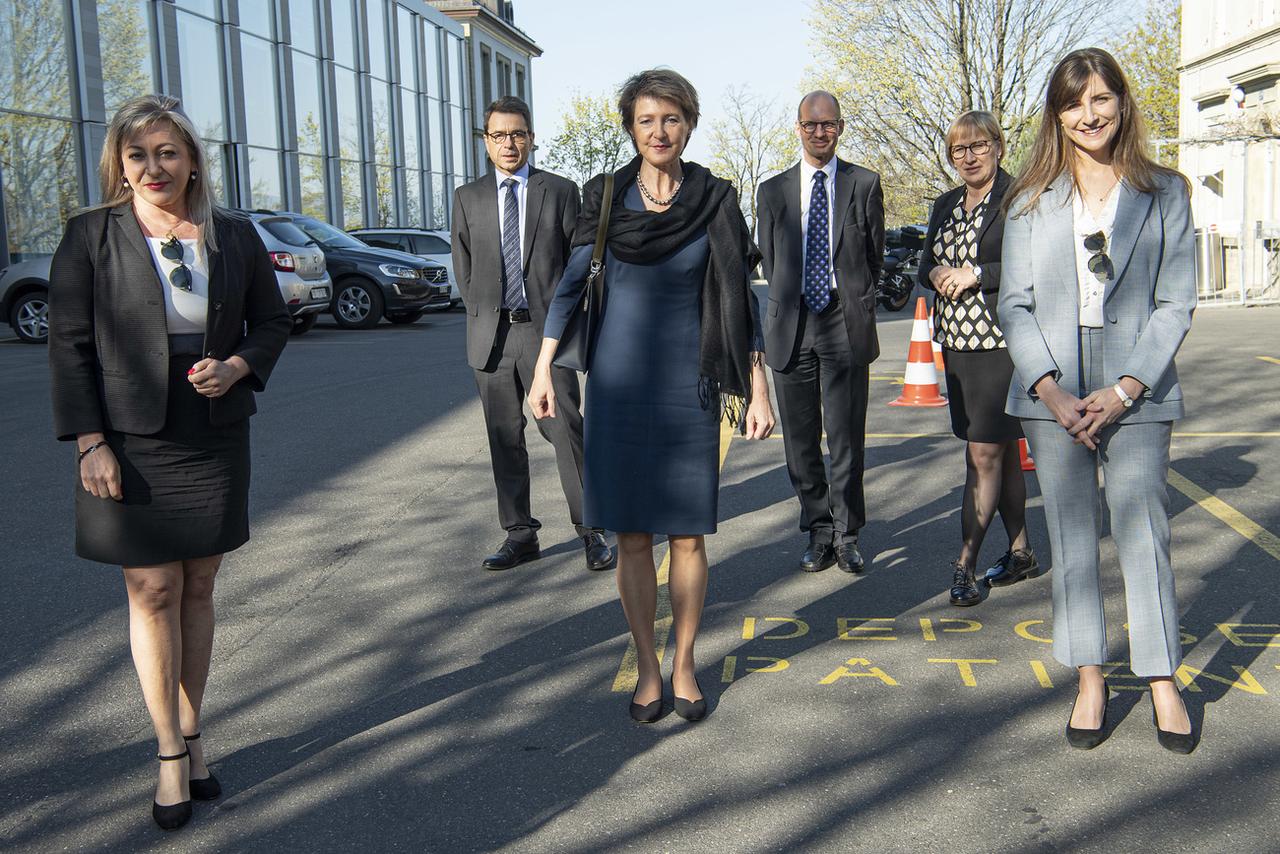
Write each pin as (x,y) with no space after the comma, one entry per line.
(302,25)
(41,188)
(486,76)
(407,25)
(264,179)
(376,22)
(311,186)
(256,18)
(124,43)
(203,84)
(344,33)
(204,7)
(258,62)
(504,76)
(520,83)
(306,104)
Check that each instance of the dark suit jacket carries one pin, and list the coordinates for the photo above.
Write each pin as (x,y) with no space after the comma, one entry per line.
(857,256)
(108,342)
(990,236)
(551,212)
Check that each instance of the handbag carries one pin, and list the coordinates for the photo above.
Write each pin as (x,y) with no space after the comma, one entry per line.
(578,341)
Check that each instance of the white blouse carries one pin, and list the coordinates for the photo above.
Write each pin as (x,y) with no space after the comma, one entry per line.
(185,312)
(1092,289)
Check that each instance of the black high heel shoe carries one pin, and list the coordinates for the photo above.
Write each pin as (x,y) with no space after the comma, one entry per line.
(690,710)
(1087,739)
(206,788)
(1177,742)
(647,713)
(172,816)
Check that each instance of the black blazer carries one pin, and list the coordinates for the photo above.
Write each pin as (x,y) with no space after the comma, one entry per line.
(551,212)
(108,342)
(857,257)
(990,236)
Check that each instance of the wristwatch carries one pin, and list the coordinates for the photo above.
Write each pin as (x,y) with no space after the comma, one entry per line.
(977,273)
(1124,397)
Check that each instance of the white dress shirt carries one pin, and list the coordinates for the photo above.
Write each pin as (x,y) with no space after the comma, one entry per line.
(1092,289)
(185,312)
(806,193)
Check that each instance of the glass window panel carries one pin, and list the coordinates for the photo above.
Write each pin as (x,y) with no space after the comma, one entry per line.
(409,124)
(306,101)
(461,142)
(344,44)
(352,195)
(255,17)
(453,58)
(408,23)
(384,195)
(435,130)
(311,174)
(33,63)
(520,83)
(486,76)
(124,41)
(376,25)
(431,60)
(204,7)
(217,174)
(439,202)
(200,62)
(348,115)
(41,188)
(259,62)
(264,179)
(382,127)
(302,25)
(413,197)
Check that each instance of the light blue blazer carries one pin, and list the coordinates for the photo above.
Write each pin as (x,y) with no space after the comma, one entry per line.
(1147,306)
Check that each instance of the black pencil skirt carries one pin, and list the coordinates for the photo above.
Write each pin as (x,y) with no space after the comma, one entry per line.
(186,488)
(977,385)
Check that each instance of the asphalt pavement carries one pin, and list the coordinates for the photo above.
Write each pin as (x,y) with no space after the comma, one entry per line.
(373,689)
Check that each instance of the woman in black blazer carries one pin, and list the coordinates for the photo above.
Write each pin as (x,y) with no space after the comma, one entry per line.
(165,317)
(961,262)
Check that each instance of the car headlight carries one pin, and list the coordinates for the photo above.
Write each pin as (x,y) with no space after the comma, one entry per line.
(398,271)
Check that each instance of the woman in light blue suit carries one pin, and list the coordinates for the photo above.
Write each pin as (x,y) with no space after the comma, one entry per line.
(1097,294)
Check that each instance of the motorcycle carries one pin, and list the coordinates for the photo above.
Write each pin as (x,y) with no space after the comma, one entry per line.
(898,277)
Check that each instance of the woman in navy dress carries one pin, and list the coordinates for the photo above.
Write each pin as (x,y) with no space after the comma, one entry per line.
(679,347)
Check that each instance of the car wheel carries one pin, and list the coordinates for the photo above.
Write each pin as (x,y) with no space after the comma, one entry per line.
(404,319)
(29,317)
(302,325)
(357,304)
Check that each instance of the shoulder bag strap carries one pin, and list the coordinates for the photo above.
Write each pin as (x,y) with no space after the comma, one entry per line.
(602,230)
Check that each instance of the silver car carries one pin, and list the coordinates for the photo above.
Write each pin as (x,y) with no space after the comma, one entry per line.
(300,268)
(24,298)
(432,245)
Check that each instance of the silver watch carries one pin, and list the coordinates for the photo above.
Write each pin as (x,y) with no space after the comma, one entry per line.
(1124,397)
(977,273)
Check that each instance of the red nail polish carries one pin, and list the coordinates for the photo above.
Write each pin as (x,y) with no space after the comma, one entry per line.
(190,371)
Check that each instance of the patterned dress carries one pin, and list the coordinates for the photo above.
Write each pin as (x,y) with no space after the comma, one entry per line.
(965,323)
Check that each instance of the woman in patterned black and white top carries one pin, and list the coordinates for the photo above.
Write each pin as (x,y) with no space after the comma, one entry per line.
(961,262)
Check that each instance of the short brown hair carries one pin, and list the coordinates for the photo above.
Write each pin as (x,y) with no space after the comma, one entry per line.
(662,84)
(978,122)
(509,104)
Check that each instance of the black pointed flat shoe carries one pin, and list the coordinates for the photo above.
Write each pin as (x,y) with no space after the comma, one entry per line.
(206,788)
(171,816)
(1086,739)
(690,710)
(1177,742)
(646,714)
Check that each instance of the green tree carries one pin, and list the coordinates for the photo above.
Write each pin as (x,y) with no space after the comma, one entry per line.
(753,141)
(1149,55)
(591,139)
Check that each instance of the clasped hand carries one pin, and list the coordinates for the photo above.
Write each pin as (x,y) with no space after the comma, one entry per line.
(952,282)
(1083,419)
(214,378)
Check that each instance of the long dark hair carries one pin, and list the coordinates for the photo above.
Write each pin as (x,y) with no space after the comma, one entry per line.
(1052,153)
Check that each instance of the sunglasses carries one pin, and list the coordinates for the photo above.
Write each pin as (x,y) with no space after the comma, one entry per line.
(1099,262)
(179,276)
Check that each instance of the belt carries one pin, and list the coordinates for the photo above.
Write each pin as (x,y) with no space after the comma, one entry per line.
(517,315)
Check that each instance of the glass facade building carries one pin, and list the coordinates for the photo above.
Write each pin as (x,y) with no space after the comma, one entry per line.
(353,111)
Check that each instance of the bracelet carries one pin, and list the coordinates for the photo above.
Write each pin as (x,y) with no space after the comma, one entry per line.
(89,450)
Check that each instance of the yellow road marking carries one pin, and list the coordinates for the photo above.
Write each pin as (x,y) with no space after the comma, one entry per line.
(628,673)
(1272,434)
(1272,359)
(1234,519)
(1263,435)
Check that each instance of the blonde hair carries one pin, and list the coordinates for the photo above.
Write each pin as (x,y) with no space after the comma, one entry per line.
(1053,154)
(136,117)
(979,123)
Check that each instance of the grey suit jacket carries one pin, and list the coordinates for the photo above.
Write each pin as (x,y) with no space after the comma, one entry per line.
(1147,306)
(856,258)
(551,212)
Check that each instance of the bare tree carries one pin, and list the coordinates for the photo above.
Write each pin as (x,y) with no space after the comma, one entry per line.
(591,139)
(753,141)
(903,70)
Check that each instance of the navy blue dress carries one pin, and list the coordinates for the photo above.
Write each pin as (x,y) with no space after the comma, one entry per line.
(651,452)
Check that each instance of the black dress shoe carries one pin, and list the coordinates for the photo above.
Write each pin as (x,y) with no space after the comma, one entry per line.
(599,555)
(171,816)
(1178,742)
(1013,567)
(848,558)
(817,557)
(511,554)
(206,788)
(964,587)
(690,710)
(1087,739)
(646,714)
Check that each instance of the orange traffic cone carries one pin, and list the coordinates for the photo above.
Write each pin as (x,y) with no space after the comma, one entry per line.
(938,364)
(920,384)
(1024,451)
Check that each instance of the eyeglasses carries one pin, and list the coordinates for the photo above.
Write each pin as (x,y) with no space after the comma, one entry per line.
(179,276)
(519,137)
(978,149)
(1099,262)
(827,127)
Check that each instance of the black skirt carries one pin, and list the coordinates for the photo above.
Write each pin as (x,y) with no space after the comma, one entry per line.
(186,488)
(977,385)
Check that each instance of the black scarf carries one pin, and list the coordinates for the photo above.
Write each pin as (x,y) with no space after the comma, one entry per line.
(645,237)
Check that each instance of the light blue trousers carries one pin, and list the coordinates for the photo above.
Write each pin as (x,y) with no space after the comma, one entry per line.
(1134,459)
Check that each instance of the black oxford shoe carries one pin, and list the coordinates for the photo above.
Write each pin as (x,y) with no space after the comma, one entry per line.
(599,555)
(848,558)
(1013,567)
(511,554)
(965,590)
(817,557)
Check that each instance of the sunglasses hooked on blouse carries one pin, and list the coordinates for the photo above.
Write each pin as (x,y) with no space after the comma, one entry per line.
(172,249)
(1099,261)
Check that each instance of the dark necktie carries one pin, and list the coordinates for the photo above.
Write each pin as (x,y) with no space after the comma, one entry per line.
(817,248)
(513,272)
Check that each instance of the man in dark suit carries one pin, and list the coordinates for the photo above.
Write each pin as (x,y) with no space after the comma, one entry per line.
(511,233)
(821,230)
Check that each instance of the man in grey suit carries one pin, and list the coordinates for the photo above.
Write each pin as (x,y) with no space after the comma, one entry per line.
(511,233)
(821,231)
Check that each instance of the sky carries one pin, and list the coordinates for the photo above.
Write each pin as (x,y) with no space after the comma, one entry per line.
(592,46)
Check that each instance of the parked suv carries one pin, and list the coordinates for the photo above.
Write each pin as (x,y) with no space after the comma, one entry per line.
(432,245)
(300,268)
(371,283)
(24,298)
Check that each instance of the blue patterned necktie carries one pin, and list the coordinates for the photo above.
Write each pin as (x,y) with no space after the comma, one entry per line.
(817,248)
(512,268)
